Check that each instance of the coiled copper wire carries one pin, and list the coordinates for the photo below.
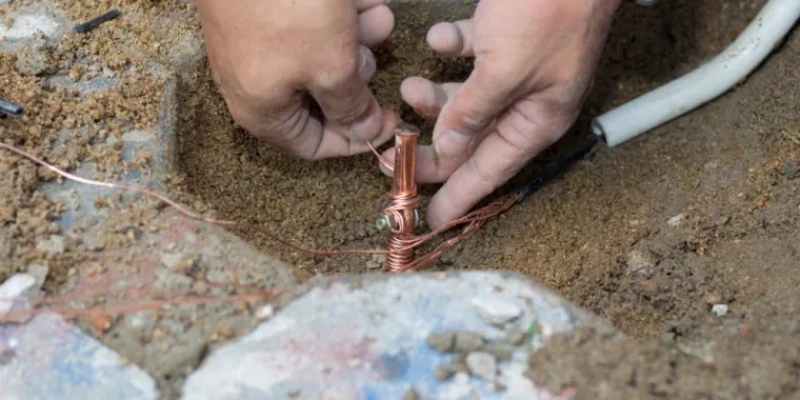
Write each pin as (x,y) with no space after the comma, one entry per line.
(403,209)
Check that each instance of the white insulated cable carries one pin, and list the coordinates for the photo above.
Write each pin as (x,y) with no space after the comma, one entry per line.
(705,83)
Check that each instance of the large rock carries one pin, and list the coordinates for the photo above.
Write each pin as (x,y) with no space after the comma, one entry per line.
(366,338)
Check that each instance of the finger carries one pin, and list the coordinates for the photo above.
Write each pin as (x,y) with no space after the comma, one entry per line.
(488,91)
(349,107)
(518,138)
(452,39)
(425,97)
(364,5)
(375,25)
(334,145)
(368,66)
(429,169)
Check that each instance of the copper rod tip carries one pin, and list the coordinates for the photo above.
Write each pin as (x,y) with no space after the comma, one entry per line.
(406,129)
(405,161)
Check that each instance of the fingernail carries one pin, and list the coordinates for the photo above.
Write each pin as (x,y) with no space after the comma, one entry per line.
(452,144)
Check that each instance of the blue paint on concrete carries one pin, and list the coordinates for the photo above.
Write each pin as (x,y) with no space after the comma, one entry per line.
(371,342)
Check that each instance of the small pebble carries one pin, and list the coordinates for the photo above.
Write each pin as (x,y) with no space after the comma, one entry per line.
(712,298)
(515,336)
(720,309)
(496,311)
(376,262)
(123,227)
(640,262)
(675,221)
(411,394)
(461,378)
(444,372)
(467,342)
(460,364)
(54,245)
(169,260)
(501,351)
(265,312)
(443,342)
(93,242)
(482,365)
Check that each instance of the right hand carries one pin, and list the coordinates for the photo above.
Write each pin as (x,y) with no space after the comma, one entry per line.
(271,58)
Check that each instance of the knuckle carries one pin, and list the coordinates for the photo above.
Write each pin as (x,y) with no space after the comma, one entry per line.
(337,74)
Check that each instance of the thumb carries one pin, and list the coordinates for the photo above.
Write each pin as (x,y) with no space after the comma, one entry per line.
(486,94)
(349,106)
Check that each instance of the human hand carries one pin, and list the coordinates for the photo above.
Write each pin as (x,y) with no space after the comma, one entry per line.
(534,65)
(271,58)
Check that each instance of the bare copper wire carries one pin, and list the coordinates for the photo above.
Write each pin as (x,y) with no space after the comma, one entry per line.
(402,212)
(403,209)
(181,209)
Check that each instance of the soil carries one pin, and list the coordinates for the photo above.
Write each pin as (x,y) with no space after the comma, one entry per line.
(652,235)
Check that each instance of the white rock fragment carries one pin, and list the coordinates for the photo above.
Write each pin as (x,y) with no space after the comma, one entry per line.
(265,312)
(496,311)
(676,220)
(27,26)
(39,273)
(54,245)
(13,288)
(640,262)
(483,365)
(170,260)
(719,309)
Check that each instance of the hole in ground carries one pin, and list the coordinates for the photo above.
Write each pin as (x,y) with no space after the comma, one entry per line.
(599,235)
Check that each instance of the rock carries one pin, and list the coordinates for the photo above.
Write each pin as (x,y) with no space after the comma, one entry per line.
(387,321)
(500,351)
(166,280)
(169,358)
(411,394)
(496,311)
(719,309)
(93,242)
(482,365)
(515,336)
(60,358)
(142,320)
(179,263)
(53,245)
(39,273)
(169,260)
(466,342)
(376,262)
(712,298)
(443,342)
(35,60)
(265,312)
(123,227)
(676,220)
(444,372)
(459,365)
(640,262)
(12,289)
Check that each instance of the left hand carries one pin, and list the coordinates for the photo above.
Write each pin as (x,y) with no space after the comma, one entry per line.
(534,65)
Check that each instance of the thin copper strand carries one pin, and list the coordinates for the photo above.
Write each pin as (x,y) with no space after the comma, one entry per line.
(181,209)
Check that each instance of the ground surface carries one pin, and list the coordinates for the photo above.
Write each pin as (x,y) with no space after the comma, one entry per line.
(600,236)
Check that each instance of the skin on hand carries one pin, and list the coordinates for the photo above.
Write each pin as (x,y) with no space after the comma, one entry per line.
(271,59)
(534,66)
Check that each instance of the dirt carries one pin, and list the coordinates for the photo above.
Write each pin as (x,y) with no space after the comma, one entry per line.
(651,235)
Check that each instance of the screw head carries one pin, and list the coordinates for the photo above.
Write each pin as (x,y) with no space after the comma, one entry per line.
(382,222)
